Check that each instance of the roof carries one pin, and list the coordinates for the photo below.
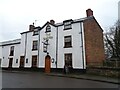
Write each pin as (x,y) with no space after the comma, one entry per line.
(73,21)
(57,24)
(61,23)
(11,42)
(31,31)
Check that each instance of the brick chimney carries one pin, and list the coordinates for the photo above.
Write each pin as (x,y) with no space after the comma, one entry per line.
(52,21)
(31,27)
(89,12)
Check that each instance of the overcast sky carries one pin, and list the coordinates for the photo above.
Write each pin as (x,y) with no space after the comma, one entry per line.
(16,15)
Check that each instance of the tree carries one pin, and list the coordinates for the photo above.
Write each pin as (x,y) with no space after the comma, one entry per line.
(112,41)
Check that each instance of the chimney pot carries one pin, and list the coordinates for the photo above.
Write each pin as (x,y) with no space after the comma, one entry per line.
(52,21)
(31,27)
(89,12)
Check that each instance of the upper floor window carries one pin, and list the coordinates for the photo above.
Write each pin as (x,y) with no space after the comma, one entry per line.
(67,41)
(67,24)
(12,51)
(35,45)
(48,28)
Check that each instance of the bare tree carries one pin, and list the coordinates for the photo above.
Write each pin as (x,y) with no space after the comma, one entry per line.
(112,41)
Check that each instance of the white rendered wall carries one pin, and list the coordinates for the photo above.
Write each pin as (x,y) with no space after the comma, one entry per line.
(16,56)
(51,47)
(28,54)
(22,48)
(26,47)
(76,50)
(6,53)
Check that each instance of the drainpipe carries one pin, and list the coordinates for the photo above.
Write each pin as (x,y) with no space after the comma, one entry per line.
(25,44)
(56,47)
(82,43)
(38,45)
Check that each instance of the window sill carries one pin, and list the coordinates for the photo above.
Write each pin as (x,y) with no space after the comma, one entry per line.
(67,28)
(35,34)
(11,55)
(68,47)
(34,49)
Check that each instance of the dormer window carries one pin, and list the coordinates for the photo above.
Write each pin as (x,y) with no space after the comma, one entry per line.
(48,28)
(35,32)
(67,24)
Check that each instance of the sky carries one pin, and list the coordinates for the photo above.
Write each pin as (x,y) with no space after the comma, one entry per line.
(17,15)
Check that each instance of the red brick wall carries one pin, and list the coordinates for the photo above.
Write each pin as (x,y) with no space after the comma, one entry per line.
(94,46)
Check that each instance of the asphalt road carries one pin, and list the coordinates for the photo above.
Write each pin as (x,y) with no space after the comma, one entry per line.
(40,80)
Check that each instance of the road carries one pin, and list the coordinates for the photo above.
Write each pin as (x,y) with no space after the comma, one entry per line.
(40,80)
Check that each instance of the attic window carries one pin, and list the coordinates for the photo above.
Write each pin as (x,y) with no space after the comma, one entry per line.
(35,32)
(48,28)
(67,24)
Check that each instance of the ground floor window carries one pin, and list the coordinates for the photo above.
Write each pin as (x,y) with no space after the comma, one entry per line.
(68,59)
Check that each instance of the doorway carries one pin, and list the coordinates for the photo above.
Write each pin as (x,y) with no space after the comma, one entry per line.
(22,58)
(47,64)
(34,61)
(10,62)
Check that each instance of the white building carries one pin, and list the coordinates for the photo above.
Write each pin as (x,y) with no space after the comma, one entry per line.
(119,10)
(56,45)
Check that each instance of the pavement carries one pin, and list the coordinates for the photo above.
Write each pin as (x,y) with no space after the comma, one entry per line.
(88,77)
(76,76)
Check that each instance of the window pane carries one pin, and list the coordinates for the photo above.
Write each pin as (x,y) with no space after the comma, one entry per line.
(48,28)
(67,25)
(68,59)
(35,45)
(12,48)
(35,33)
(67,41)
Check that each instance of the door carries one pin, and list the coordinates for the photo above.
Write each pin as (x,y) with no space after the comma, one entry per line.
(22,58)
(10,62)
(47,64)
(34,61)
